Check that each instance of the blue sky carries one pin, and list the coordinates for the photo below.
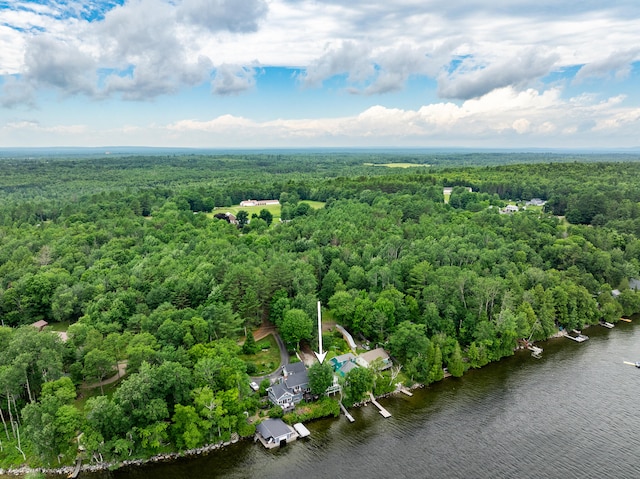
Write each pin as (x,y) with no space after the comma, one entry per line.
(311,73)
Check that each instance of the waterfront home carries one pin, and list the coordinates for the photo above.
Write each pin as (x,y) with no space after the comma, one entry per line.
(290,389)
(343,364)
(365,359)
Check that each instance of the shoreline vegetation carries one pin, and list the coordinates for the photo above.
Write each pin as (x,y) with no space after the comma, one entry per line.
(65,471)
(160,458)
(131,260)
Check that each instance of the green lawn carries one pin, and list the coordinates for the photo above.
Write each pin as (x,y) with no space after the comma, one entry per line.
(273,209)
(84,394)
(61,327)
(267,360)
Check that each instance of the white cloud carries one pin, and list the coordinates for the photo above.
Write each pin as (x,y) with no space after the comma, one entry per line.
(489,60)
(62,65)
(15,93)
(470,80)
(217,15)
(538,116)
(233,79)
(616,64)
(347,58)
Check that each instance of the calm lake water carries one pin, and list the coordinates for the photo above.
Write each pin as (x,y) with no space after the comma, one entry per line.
(571,414)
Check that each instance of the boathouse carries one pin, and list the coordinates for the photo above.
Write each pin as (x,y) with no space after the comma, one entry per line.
(274,432)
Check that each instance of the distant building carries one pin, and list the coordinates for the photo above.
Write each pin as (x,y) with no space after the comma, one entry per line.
(228,217)
(535,202)
(259,202)
(509,209)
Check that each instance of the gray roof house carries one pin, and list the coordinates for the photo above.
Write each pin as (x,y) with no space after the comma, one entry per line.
(272,433)
(290,389)
(279,395)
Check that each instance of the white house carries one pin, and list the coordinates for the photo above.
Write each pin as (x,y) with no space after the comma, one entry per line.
(259,202)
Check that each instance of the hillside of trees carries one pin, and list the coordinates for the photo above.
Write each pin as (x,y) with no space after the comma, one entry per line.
(124,255)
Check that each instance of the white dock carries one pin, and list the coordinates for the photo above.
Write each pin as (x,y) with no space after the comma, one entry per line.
(346,413)
(535,351)
(404,390)
(606,324)
(382,410)
(580,338)
(301,429)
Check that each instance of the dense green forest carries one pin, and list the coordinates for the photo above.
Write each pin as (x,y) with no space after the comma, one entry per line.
(125,255)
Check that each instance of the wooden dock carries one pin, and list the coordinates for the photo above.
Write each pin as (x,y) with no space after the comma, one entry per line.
(404,390)
(382,410)
(346,413)
(626,320)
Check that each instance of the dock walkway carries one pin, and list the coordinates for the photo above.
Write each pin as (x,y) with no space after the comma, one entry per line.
(382,410)
(346,413)
(404,390)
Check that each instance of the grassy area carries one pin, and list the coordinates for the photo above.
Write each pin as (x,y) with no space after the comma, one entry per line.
(85,394)
(61,327)
(316,205)
(266,360)
(273,209)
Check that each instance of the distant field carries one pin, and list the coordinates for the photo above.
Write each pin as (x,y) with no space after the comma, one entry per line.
(398,165)
(273,209)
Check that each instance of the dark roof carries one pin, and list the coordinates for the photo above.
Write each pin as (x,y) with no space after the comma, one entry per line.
(273,428)
(295,368)
(298,379)
(279,390)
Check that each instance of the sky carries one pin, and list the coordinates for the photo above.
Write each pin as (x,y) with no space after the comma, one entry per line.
(311,73)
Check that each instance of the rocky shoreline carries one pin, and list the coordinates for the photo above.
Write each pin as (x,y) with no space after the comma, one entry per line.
(103,466)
